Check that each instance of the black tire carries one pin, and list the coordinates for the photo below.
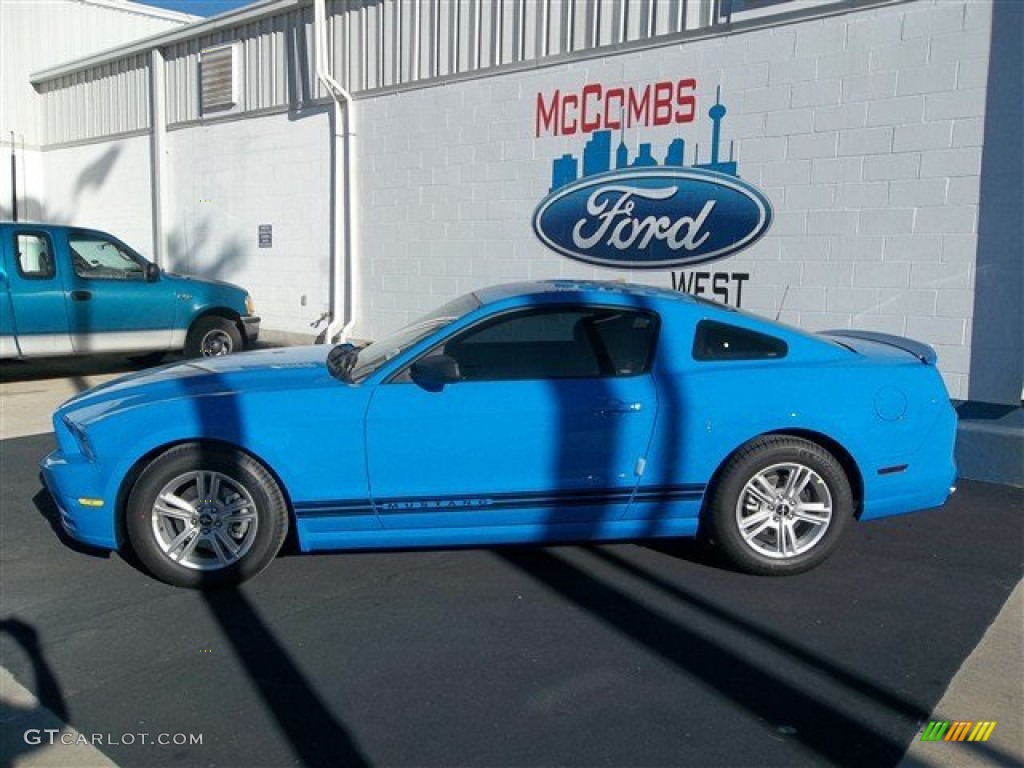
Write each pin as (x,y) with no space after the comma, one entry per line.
(212,336)
(227,540)
(757,521)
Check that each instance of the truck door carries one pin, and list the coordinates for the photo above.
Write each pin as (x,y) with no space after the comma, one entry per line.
(112,307)
(34,321)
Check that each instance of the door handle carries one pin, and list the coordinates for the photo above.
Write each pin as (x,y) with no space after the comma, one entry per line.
(81,295)
(614,407)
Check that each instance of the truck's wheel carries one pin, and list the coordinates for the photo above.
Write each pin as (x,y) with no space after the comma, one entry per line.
(212,337)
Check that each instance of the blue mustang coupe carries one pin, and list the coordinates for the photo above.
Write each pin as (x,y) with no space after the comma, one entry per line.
(533,412)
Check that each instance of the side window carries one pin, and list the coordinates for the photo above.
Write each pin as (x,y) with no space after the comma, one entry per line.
(556,344)
(719,341)
(35,256)
(96,258)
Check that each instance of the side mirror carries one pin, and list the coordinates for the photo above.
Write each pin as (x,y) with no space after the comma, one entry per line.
(152,273)
(433,372)
(341,359)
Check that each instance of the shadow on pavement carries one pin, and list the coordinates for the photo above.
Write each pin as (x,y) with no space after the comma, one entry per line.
(767,694)
(74,368)
(315,735)
(47,691)
(778,642)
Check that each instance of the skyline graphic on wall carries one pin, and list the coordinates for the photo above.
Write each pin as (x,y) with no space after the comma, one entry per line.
(638,212)
(597,153)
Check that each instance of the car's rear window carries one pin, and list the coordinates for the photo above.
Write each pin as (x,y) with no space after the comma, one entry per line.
(721,341)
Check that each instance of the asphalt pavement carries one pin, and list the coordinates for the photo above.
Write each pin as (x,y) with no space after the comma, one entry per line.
(619,655)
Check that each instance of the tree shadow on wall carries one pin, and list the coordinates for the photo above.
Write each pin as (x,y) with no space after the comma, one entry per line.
(191,250)
(95,174)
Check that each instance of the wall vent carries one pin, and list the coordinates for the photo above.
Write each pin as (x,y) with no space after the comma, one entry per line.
(218,75)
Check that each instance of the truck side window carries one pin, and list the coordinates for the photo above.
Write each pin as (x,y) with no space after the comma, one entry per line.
(35,256)
(96,258)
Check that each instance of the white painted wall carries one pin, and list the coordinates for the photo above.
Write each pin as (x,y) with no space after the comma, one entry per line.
(864,130)
(225,180)
(36,34)
(105,186)
(30,182)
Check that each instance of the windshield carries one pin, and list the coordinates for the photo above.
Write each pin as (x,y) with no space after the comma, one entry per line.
(373,356)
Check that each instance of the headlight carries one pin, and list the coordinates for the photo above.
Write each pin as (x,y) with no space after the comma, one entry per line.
(250,307)
(81,438)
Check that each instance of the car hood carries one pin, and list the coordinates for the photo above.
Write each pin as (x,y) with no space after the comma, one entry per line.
(279,370)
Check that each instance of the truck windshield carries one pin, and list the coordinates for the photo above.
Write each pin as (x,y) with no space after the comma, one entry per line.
(94,257)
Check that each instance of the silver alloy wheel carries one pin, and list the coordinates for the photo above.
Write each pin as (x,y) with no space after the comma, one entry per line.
(216,342)
(784,510)
(204,520)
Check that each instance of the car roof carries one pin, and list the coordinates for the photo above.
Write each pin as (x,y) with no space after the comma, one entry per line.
(585,290)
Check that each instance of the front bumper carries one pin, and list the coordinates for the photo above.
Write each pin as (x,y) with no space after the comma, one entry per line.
(86,513)
(250,329)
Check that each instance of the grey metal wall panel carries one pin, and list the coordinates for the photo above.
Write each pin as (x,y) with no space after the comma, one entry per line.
(34,35)
(385,43)
(373,44)
(102,101)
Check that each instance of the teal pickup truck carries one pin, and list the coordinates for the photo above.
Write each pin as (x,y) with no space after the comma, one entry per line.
(72,291)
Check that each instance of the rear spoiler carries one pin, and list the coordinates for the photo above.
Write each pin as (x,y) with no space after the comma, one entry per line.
(922,352)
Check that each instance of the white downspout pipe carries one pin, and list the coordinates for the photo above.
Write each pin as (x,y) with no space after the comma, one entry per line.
(158,154)
(342,209)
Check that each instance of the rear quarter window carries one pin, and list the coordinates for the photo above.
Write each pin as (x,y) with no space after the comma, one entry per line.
(721,341)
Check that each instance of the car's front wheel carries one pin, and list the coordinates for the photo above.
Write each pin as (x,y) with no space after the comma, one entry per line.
(781,506)
(201,515)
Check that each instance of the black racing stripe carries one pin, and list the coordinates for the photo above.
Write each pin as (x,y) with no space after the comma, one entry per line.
(501,505)
(497,501)
(670,491)
(338,508)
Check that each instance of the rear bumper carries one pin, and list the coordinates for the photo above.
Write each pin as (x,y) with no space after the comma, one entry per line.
(250,330)
(78,490)
(927,478)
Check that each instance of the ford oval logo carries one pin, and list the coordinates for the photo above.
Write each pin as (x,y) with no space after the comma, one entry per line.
(652,218)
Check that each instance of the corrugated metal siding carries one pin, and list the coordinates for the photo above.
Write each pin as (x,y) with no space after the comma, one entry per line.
(276,62)
(36,35)
(383,44)
(102,101)
(380,44)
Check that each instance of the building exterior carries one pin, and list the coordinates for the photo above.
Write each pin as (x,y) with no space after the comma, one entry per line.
(358,163)
(35,35)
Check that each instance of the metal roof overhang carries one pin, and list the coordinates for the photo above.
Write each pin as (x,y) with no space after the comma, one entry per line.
(228,20)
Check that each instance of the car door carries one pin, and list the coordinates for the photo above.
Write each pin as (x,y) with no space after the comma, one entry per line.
(36,321)
(546,427)
(112,307)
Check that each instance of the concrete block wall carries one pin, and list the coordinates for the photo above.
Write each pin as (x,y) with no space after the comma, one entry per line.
(228,178)
(864,130)
(104,186)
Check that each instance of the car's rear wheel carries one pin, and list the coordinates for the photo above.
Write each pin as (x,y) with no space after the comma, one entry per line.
(202,515)
(212,336)
(781,506)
